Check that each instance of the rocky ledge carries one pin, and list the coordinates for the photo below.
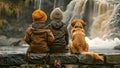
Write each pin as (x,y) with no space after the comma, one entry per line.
(111,60)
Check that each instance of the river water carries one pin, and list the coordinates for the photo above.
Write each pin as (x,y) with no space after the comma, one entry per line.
(23,49)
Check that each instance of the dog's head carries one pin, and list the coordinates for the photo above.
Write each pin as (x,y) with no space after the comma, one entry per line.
(78,23)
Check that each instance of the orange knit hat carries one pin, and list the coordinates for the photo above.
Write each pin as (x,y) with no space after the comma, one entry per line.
(39,16)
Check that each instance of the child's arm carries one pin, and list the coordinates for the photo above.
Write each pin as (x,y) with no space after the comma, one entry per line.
(50,37)
(27,36)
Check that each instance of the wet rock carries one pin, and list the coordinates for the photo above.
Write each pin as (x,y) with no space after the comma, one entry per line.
(64,58)
(20,59)
(38,58)
(49,59)
(84,60)
(113,59)
(117,47)
(4,41)
(12,59)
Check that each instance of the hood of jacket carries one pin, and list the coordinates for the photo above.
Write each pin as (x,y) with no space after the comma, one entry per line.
(56,14)
(56,24)
(37,28)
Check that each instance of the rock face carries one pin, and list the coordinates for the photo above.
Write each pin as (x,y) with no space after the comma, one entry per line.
(12,59)
(20,61)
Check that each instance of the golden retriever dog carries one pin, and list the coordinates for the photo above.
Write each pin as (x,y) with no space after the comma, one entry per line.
(78,44)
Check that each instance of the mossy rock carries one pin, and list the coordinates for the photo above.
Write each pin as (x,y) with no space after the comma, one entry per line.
(3,23)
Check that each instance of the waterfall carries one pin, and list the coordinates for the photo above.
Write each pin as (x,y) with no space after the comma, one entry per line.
(97,15)
(54,3)
(99,26)
(114,24)
(37,4)
(75,11)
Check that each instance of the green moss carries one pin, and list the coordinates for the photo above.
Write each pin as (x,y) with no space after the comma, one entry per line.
(11,12)
(13,7)
(17,24)
(3,23)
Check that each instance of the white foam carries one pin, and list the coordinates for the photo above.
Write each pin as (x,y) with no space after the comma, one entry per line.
(98,43)
(25,45)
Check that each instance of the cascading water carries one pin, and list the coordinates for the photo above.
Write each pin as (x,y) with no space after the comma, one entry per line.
(74,11)
(37,4)
(99,26)
(54,3)
(99,12)
(102,31)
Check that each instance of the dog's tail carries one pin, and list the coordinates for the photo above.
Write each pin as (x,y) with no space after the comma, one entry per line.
(94,55)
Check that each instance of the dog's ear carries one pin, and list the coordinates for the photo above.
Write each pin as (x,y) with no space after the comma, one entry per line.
(73,23)
(83,23)
(78,20)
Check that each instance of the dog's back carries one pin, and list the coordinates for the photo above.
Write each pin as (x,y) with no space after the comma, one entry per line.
(78,43)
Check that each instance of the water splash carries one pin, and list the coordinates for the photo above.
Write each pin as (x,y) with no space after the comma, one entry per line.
(98,43)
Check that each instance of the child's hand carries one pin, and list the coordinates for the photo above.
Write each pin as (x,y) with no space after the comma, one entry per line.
(28,55)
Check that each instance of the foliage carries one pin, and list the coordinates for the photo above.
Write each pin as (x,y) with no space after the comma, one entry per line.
(13,7)
(3,23)
(17,24)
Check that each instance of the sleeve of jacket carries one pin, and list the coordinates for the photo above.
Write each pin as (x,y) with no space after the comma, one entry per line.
(50,37)
(27,36)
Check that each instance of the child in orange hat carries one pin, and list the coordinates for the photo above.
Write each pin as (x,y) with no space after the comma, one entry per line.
(38,36)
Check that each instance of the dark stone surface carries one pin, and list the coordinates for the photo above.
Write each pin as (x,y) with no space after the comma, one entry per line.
(95,66)
(64,58)
(85,59)
(67,59)
(117,66)
(12,59)
(38,59)
(117,47)
(113,59)
(18,59)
